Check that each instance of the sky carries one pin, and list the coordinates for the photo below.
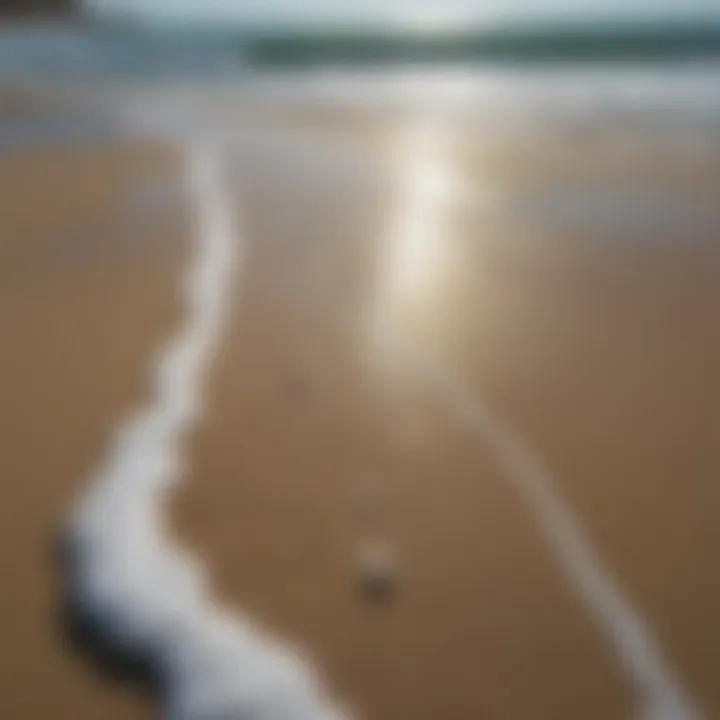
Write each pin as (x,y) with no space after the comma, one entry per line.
(422,13)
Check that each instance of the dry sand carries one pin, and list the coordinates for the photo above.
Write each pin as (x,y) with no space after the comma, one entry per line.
(86,293)
(598,345)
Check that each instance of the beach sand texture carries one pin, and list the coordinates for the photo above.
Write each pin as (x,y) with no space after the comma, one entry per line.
(403,307)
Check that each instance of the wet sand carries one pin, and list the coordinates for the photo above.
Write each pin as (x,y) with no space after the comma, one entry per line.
(482,624)
(593,338)
(604,350)
(581,332)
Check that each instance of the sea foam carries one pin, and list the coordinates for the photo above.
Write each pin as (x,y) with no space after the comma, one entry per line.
(146,598)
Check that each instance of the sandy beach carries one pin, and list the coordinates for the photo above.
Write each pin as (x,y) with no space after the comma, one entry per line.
(434,318)
(86,293)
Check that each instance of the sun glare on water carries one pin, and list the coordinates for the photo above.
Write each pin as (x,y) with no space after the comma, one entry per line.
(415,251)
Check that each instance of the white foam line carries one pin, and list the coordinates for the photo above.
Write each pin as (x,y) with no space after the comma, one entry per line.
(659,692)
(144,593)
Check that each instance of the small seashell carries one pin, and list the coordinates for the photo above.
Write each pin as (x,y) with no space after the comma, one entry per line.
(377,570)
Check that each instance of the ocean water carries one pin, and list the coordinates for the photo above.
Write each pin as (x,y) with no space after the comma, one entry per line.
(653,77)
(150,51)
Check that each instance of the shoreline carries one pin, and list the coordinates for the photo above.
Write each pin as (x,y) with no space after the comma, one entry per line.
(303,410)
(77,339)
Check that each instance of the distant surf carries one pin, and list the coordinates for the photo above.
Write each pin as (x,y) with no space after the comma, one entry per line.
(205,50)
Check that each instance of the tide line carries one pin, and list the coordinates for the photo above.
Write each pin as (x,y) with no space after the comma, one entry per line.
(145,596)
(659,692)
